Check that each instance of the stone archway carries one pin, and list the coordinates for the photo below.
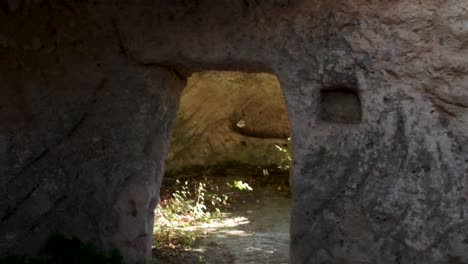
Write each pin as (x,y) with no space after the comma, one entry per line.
(230,127)
(89,91)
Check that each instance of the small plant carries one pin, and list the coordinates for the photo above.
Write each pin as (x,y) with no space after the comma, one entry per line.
(286,159)
(189,205)
(241,186)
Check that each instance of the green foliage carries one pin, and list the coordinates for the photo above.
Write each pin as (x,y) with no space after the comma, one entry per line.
(188,205)
(286,158)
(59,249)
(194,204)
(243,186)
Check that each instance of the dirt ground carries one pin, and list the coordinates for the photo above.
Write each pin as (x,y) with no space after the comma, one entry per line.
(254,229)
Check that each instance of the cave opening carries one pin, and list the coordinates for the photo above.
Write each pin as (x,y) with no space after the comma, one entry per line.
(225,195)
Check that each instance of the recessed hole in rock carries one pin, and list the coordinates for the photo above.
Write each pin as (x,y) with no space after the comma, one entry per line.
(340,105)
(231,133)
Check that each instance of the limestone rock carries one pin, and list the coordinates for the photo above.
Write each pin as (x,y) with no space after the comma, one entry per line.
(86,111)
(229,117)
(262,116)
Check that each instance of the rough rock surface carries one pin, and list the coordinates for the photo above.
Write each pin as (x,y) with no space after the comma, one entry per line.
(86,110)
(227,117)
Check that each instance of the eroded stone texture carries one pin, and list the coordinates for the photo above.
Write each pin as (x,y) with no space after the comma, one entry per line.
(227,117)
(84,133)
(389,189)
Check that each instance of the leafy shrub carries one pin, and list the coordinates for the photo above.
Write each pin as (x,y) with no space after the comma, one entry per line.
(189,204)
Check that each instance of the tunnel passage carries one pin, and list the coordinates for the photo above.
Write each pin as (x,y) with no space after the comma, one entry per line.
(229,165)
(86,112)
(229,117)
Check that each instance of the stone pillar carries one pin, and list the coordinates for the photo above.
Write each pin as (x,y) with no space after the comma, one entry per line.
(86,159)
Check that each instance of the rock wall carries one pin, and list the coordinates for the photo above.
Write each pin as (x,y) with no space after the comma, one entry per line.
(84,133)
(229,117)
(376,95)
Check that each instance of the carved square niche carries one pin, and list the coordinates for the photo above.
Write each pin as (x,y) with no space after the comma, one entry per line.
(340,104)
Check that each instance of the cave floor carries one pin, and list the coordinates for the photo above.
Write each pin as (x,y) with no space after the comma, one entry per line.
(254,229)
